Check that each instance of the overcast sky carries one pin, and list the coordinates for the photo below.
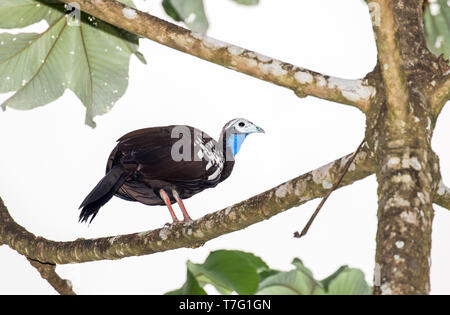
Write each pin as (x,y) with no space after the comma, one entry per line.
(50,160)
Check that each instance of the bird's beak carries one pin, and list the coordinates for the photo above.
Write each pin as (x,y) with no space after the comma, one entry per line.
(255,129)
(260,130)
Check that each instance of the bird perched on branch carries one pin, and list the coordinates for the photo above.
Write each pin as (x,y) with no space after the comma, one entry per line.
(164,165)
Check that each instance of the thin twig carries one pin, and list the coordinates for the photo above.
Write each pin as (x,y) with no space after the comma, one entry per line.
(335,185)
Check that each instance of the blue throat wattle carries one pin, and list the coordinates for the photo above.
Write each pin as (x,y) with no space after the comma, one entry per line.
(235,141)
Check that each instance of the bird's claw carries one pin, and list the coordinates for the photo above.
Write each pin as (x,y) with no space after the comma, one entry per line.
(169,224)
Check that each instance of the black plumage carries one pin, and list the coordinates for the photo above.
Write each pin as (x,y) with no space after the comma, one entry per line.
(142,166)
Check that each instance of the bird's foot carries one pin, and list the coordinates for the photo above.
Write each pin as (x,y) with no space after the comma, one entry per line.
(175,222)
(187,220)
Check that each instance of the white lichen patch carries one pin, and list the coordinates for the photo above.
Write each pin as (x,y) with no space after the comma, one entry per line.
(393,161)
(227,211)
(283,190)
(303,77)
(442,189)
(344,160)
(262,58)
(352,167)
(321,81)
(360,157)
(399,244)
(235,50)
(210,42)
(275,68)
(409,217)
(214,43)
(396,257)
(129,13)
(189,232)
(397,202)
(413,162)
(405,179)
(322,174)
(163,234)
(423,197)
(327,184)
(143,234)
(113,239)
(353,90)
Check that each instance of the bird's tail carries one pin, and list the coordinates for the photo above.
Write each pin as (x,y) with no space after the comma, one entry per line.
(102,193)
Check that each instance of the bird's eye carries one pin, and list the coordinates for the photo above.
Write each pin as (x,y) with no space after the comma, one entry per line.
(241,124)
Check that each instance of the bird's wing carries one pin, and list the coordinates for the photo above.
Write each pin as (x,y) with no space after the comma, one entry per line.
(150,152)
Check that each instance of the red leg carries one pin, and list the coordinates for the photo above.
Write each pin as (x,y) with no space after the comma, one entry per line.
(164,196)
(186,216)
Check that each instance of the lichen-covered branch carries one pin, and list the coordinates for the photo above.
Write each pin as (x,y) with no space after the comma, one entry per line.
(390,59)
(302,81)
(406,164)
(258,208)
(48,272)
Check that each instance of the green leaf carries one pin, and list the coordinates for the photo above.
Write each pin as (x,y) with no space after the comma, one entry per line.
(190,287)
(191,12)
(300,267)
(267,273)
(349,282)
(437,27)
(299,281)
(230,270)
(21,13)
(247,2)
(91,58)
(326,282)
(294,282)
(171,11)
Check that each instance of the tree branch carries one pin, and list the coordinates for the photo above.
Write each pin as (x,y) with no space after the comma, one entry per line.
(405,159)
(258,208)
(390,59)
(302,81)
(442,196)
(48,272)
(441,94)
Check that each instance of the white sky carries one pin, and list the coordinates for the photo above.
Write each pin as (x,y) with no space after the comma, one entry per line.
(50,160)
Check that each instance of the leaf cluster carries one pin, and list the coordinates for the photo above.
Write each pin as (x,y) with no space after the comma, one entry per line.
(232,271)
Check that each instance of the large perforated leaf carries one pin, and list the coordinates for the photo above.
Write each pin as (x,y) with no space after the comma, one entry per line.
(89,57)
